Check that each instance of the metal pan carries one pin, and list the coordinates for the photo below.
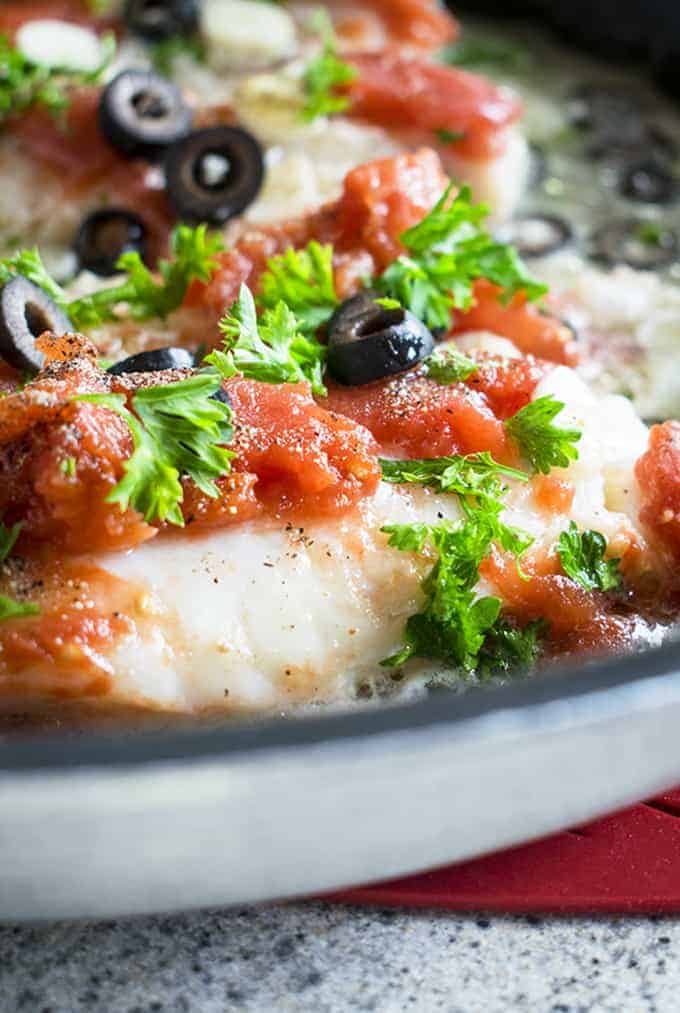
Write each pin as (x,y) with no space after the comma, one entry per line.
(117,825)
(103,825)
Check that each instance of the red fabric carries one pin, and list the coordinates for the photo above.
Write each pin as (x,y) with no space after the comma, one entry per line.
(627,862)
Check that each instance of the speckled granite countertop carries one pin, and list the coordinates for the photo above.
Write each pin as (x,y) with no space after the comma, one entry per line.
(326,959)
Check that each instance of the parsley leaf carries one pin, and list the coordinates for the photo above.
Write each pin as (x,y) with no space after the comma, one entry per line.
(448,366)
(177,429)
(453,622)
(273,350)
(509,649)
(324,74)
(303,280)
(12,609)
(475,478)
(546,446)
(445,253)
(581,554)
(194,257)
(24,83)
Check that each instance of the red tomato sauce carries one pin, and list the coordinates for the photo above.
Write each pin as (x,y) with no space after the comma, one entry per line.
(421,24)
(396,91)
(532,331)
(581,622)
(412,416)
(658,472)
(61,653)
(60,459)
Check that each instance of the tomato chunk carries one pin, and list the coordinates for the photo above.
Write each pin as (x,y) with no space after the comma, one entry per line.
(533,332)
(402,93)
(658,472)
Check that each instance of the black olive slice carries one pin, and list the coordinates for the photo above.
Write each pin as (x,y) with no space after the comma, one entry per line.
(536,235)
(639,244)
(367,342)
(26,311)
(649,182)
(141,113)
(104,236)
(214,174)
(154,361)
(161,19)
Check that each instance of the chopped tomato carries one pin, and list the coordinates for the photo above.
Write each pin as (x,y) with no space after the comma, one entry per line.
(402,93)
(61,652)
(530,330)
(76,152)
(417,417)
(306,458)
(658,472)
(507,384)
(580,621)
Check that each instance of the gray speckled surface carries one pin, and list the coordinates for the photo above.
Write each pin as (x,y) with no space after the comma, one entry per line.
(322,958)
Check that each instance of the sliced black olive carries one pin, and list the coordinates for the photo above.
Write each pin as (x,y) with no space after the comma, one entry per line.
(640,244)
(367,342)
(105,235)
(649,182)
(536,235)
(630,140)
(141,113)
(214,174)
(161,19)
(154,361)
(25,312)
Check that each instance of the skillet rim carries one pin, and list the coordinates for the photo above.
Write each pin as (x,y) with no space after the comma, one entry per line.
(53,753)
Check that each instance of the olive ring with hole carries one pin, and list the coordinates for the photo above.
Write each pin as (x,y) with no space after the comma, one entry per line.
(155,360)
(106,235)
(141,113)
(367,341)
(214,174)
(26,312)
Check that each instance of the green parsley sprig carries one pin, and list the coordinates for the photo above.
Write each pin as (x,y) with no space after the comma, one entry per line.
(510,649)
(24,83)
(303,280)
(272,349)
(194,257)
(453,623)
(543,444)
(445,254)
(177,429)
(325,74)
(476,479)
(9,607)
(582,553)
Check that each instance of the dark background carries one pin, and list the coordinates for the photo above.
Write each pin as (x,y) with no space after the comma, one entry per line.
(620,30)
